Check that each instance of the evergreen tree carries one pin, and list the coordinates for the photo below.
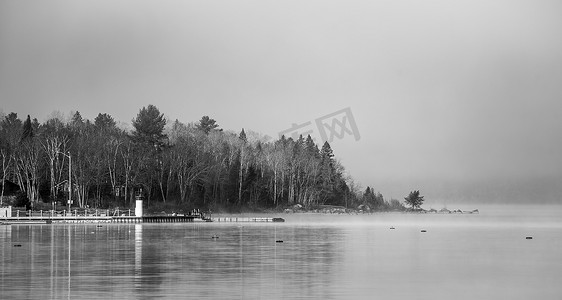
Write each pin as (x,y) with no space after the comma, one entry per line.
(326,152)
(414,199)
(27,129)
(310,147)
(242,136)
(207,125)
(104,121)
(283,140)
(332,184)
(77,119)
(367,192)
(12,128)
(149,126)
(298,146)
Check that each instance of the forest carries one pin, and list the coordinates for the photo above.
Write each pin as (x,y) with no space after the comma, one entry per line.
(169,163)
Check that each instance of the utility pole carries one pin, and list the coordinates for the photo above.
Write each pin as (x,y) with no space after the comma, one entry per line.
(69,180)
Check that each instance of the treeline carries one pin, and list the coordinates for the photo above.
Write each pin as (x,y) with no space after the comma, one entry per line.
(372,201)
(191,165)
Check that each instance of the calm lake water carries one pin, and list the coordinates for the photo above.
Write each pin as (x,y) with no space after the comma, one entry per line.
(483,256)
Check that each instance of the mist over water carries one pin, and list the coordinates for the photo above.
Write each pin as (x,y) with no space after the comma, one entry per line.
(489,215)
(468,256)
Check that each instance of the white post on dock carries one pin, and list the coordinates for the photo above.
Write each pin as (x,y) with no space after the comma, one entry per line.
(138,206)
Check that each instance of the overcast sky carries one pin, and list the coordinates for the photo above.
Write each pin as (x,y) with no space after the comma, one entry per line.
(460,99)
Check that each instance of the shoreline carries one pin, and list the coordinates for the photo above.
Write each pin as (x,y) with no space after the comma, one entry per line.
(329,209)
(332,210)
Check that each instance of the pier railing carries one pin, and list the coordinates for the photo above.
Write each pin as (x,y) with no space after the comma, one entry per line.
(17,213)
(93,213)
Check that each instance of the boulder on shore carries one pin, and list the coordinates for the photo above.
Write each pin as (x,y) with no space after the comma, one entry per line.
(363,208)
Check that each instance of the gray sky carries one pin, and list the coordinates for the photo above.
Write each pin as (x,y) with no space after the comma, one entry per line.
(460,99)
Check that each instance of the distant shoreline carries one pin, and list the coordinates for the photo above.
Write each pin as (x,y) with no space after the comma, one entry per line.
(340,210)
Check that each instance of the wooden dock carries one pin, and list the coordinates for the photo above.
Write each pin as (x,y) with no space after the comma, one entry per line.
(102,219)
(115,216)
(129,219)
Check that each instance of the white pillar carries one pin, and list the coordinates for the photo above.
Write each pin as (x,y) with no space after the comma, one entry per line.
(138,207)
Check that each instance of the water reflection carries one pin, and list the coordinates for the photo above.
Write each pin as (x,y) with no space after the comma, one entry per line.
(315,260)
(138,252)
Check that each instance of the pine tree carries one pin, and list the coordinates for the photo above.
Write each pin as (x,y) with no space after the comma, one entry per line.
(149,126)
(311,148)
(367,192)
(77,119)
(104,121)
(414,199)
(242,136)
(326,152)
(207,125)
(27,129)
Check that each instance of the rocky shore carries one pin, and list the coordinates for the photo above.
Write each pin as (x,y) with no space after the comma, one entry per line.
(363,209)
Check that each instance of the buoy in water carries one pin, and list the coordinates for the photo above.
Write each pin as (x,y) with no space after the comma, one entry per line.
(529,238)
